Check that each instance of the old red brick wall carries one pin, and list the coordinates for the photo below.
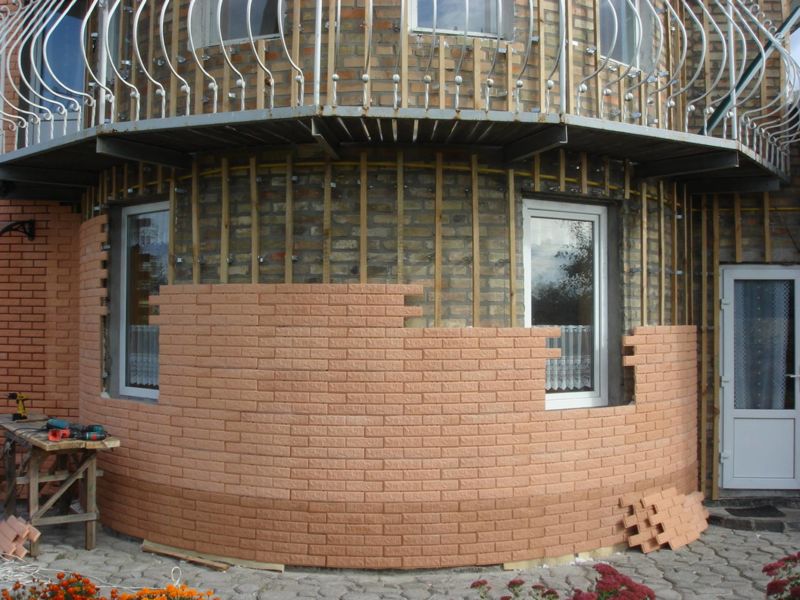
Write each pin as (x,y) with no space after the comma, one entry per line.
(304,424)
(39,307)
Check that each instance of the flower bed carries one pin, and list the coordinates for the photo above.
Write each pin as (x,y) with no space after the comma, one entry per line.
(77,587)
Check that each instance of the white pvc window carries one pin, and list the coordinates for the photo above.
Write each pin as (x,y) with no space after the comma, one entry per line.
(480,17)
(564,257)
(233,21)
(145,241)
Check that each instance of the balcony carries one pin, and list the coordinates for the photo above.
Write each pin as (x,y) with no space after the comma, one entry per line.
(679,87)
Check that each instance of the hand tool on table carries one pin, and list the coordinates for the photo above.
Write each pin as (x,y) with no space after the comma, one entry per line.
(22,412)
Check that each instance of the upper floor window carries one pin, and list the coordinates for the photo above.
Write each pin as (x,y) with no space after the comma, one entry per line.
(630,19)
(566,285)
(233,21)
(479,17)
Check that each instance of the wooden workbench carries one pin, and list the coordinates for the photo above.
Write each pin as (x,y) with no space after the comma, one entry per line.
(31,434)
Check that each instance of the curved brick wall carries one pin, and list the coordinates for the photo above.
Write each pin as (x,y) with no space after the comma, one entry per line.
(304,424)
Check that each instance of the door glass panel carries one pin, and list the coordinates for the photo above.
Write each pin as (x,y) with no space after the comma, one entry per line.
(563,294)
(763,344)
(147,237)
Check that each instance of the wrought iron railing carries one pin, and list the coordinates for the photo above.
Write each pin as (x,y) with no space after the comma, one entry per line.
(720,68)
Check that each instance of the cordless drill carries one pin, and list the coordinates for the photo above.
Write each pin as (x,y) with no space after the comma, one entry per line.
(22,412)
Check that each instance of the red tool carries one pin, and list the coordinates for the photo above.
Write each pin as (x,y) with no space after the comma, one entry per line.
(56,435)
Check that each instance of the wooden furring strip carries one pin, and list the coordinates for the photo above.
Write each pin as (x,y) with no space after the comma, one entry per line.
(437,260)
(512,247)
(662,257)
(674,260)
(173,182)
(195,223)
(442,73)
(363,222)
(715,232)
(288,274)
(704,344)
(296,25)
(175,34)
(737,227)
(477,61)
(404,52)
(400,216)
(326,222)
(767,228)
(645,262)
(584,174)
(476,244)
(225,228)
(255,226)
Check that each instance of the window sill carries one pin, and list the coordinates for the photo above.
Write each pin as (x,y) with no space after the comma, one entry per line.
(239,41)
(554,402)
(452,32)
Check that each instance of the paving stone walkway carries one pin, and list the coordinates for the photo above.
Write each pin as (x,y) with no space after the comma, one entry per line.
(723,564)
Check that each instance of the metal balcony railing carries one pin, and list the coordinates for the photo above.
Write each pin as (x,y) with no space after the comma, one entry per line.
(717,68)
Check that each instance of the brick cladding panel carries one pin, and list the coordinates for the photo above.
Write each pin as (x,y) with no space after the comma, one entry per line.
(304,424)
(38,308)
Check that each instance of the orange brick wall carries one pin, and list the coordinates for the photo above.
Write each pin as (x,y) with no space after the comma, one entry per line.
(304,424)
(39,307)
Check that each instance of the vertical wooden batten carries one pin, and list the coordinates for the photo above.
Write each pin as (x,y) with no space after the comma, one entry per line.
(288,252)
(437,260)
(175,43)
(173,182)
(476,244)
(737,227)
(476,73)
(195,223)
(225,228)
(767,228)
(326,222)
(296,25)
(255,226)
(362,219)
(715,232)
(662,257)
(704,345)
(584,174)
(562,170)
(404,32)
(512,247)
(645,263)
(332,25)
(401,218)
(674,260)
(442,73)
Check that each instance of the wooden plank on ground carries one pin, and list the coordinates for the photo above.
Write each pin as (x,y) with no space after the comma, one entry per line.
(250,564)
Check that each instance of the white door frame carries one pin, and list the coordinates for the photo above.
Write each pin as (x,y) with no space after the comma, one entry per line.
(786,421)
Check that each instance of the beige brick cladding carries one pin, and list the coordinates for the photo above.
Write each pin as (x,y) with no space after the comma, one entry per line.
(304,424)
(38,308)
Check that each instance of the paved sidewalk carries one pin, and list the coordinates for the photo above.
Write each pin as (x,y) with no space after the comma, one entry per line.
(723,564)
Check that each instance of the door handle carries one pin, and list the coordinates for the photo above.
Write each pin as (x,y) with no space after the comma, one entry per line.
(793,375)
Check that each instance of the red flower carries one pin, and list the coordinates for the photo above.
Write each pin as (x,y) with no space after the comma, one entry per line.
(515,583)
(776,586)
(479,584)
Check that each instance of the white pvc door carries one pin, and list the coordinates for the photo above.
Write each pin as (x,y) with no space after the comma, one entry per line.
(760,377)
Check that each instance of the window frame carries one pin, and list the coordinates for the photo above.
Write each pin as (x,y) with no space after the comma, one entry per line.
(598,216)
(641,57)
(507,33)
(204,33)
(126,390)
